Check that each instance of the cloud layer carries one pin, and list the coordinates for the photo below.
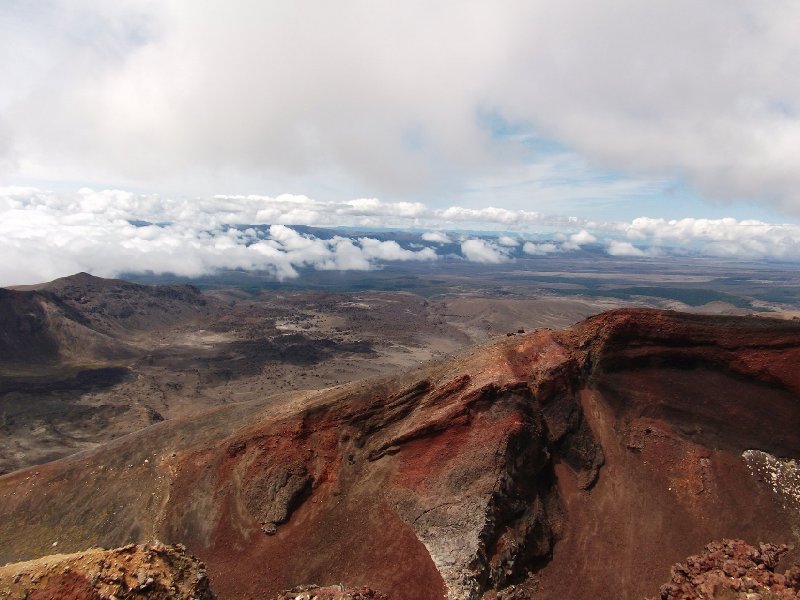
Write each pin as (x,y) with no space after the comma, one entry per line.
(714,237)
(44,235)
(481,251)
(403,98)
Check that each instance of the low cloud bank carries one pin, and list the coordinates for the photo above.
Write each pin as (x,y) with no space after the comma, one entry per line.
(436,236)
(44,235)
(715,237)
(618,248)
(540,249)
(481,251)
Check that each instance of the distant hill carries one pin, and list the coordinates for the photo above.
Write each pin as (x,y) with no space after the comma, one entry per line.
(114,305)
(85,318)
(38,327)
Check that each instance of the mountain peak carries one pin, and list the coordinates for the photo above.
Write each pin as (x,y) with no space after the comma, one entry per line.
(81,278)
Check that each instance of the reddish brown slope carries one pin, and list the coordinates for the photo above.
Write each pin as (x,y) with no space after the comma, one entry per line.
(579,463)
(674,401)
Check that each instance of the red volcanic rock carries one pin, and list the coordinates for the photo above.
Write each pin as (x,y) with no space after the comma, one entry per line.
(334,592)
(579,464)
(733,570)
(153,571)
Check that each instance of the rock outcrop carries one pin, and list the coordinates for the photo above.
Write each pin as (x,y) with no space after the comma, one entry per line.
(154,571)
(334,592)
(552,464)
(734,570)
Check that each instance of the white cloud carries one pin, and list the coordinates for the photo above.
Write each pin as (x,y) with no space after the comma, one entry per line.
(717,237)
(508,241)
(576,240)
(618,248)
(312,96)
(491,214)
(481,251)
(44,235)
(436,236)
(582,237)
(375,207)
(391,250)
(539,249)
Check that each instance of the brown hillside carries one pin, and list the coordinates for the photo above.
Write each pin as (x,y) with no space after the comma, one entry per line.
(554,464)
(112,306)
(39,328)
(83,318)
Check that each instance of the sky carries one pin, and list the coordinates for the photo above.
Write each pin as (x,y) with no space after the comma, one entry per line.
(650,124)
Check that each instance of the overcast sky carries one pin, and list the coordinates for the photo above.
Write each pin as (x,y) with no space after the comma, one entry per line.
(604,111)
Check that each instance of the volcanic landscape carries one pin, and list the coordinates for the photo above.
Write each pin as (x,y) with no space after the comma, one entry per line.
(393,444)
(399,300)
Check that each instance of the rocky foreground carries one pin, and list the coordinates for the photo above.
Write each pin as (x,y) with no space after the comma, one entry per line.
(554,464)
(725,570)
(734,570)
(154,571)
(335,592)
